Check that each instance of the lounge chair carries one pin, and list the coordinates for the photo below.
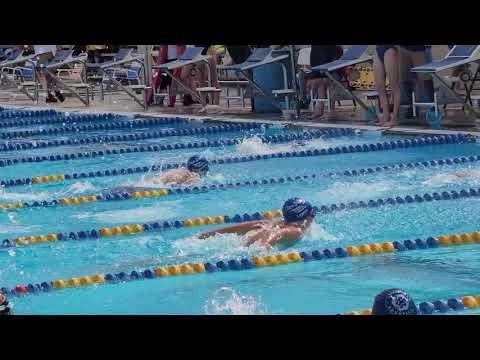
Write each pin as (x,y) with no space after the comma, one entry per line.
(56,66)
(459,55)
(261,57)
(192,55)
(356,54)
(128,66)
(18,71)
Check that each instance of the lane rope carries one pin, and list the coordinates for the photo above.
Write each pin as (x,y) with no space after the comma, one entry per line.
(386,146)
(141,194)
(307,135)
(237,218)
(254,262)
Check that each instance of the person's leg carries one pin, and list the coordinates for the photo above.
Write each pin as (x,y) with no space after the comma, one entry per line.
(319,87)
(406,77)
(213,61)
(379,78)
(43,78)
(419,58)
(391,70)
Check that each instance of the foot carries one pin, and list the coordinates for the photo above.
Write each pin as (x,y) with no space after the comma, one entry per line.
(187,100)
(316,115)
(59,96)
(51,99)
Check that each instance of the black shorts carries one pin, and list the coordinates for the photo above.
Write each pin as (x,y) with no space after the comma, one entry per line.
(315,75)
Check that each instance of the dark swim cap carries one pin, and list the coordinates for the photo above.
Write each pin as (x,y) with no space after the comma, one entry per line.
(297,209)
(394,302)
(197,164)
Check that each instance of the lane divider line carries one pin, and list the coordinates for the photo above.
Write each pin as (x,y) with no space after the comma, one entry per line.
(237,218)
(144,135)
(108,126)
(254,262)
(141,194)
(307,135)
(386,146)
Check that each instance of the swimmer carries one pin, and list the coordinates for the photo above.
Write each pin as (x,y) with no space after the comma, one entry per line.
(467,174)
(197,167)
(4,306)
(394,302)
(298,215)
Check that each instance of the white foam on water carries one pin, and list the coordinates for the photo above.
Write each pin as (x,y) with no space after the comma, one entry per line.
(160,212)
(219,245)
(15,228)
(317,233)
(12,196)
(342,192)
(227,301)
(81,187)
(469,176)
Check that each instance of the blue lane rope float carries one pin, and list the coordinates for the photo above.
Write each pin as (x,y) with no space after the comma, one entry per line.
(468,302)
(237,218)
(189,190)
(307,135)
(386,146)
(150,122)
(14,114)
(262,261)
(61,118)
(144,135)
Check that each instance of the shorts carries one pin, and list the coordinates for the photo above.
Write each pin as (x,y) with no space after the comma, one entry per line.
(315,75)
(44,59)
(407,60)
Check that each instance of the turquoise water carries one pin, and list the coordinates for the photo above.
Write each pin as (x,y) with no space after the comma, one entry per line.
(321,287)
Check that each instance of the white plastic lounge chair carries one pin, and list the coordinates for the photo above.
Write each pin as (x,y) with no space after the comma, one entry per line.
(459,55)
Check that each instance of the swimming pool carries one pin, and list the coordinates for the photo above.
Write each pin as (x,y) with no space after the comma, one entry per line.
(363,182)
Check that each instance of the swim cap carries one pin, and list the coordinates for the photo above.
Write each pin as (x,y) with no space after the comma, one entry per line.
(297,209)
(394,302)
(197,164)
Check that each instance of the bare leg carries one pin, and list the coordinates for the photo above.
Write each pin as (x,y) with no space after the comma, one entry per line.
(214,74)
(379,75)
(391,69)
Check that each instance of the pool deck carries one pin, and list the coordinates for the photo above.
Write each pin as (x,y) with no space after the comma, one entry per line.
(126,106)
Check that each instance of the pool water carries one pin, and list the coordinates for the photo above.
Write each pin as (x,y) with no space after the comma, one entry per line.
(316,287)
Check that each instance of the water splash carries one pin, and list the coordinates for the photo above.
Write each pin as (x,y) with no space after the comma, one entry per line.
(165,211)
(11,196)
(80,187)
(317,234)
(225,246)
(226,301)
(470,176)
(345,191)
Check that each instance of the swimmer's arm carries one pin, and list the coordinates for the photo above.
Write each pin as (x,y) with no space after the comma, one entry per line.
(239,229)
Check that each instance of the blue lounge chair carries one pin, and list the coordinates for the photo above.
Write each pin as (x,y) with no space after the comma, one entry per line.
(356,54)
(262,57)
(65,58)
(459,55)
(126,65)
(18,71)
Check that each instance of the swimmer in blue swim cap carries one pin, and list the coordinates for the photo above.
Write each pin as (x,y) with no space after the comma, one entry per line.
(394,302)
(298,215)
(197,167)
(4,306)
